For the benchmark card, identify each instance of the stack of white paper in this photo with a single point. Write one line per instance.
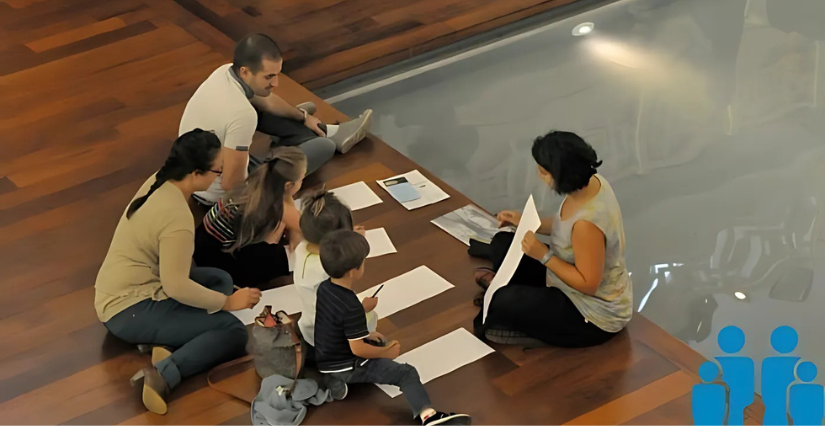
(530, 221)
(356, 196)
(430, 192)
(380, 243)
(442, 356)
(406, 290)
(281, 299)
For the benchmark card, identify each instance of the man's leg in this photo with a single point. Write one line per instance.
(295, 133)
(289, 132)
(318, 151)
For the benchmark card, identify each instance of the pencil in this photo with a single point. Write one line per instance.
(379, 289)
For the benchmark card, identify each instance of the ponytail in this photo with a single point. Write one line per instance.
(160, 179)
(324, 213)
(261, 201)
(192, 152)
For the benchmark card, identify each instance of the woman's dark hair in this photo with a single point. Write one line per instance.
(324, 213)
(193, 151)
(342, 251)
(261, 201)
(568, 158)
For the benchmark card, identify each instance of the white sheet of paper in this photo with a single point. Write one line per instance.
(281, 299)
(442, 356)
(357, 196)
(530, 221)
(430, 192)
(380, 243)
(406, 290)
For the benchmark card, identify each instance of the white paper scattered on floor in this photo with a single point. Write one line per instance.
(430, 192)
(281, 299)
(407, 290)
(380, 243)
(357, 196)
(442, 356)
(530, 221)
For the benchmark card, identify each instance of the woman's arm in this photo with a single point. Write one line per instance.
(588, 250)
(546, 227)
(175, 259)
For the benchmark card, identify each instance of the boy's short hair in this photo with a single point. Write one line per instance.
(323, 213)
(343, 251)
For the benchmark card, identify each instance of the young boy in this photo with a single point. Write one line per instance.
(343, 350)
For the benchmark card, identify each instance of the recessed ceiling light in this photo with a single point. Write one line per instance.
(583, 29)
(739, 295)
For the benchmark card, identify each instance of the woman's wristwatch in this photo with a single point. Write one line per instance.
(546, 257)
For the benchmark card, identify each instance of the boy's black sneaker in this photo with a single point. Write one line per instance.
(440, 418)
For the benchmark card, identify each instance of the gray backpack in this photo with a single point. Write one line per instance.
(275, 346)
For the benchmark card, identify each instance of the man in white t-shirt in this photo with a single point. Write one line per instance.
(236, 100)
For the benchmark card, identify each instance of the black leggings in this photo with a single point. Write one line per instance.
(252, 266)
(527, 305)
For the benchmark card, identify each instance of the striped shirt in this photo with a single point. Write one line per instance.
(339, 318)
(220, 222)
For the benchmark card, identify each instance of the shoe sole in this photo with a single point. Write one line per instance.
(457, 419)
(153, 401)
(510, 338)
(359, 134)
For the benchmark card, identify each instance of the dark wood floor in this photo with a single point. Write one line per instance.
(329, 40)
(91, 92)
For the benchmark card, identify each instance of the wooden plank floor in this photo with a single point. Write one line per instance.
(91, 92)
(326, 41)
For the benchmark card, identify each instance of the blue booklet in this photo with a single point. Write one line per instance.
(401, 189)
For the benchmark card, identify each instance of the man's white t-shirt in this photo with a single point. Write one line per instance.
(308, 275)
(221, 105)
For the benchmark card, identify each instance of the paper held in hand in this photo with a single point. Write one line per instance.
(430, 192)
(530, 221)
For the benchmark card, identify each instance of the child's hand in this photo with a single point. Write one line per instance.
(370, 303)
(361, 230)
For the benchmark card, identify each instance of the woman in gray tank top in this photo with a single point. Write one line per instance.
(576, 292)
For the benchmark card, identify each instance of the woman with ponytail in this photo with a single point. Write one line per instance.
(245, 233)
(146, 291)
(576, 292)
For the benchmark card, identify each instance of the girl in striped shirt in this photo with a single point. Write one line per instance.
(246, 233)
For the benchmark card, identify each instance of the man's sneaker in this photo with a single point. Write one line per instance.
(440, 418)
(352, 132)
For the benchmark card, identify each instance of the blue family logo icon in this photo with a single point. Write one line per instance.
(716, 402)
